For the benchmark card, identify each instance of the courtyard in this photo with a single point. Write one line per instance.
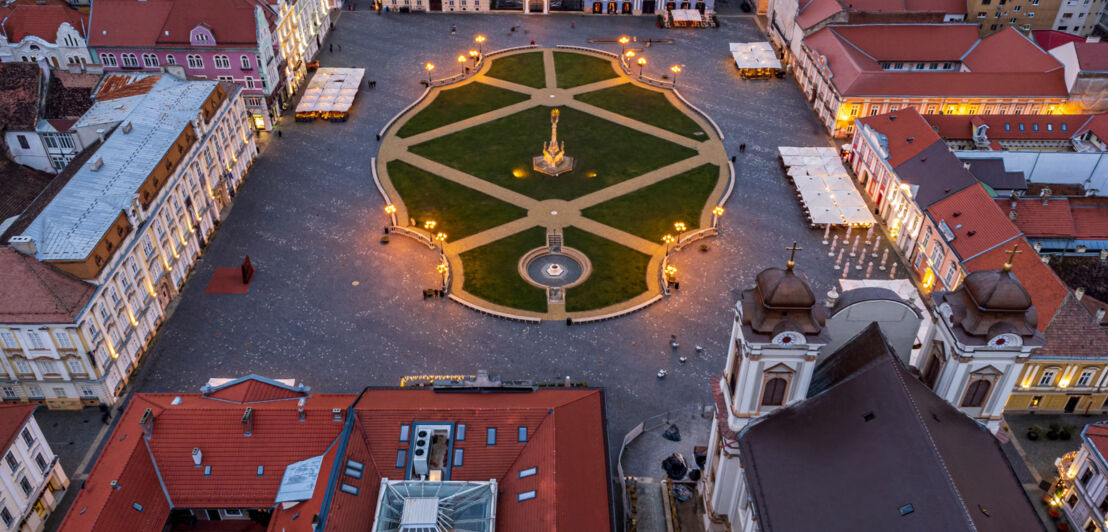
(637, 169)
(336, 309)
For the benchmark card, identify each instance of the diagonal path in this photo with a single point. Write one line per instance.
(626, 187)
(462, 178)
(454, 127)
(597, 85)
(504, 84)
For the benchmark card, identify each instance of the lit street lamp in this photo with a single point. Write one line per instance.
(442, 271)
(680, 227)
(642, 62)
(441, 237)
(676, 69)
(623, 40)
(474, 54)
(429, 67)
(390, 210)
(668, 239)
(718, 211)
(462, 63)
(429, 225)
(671, 273)
(480, 40)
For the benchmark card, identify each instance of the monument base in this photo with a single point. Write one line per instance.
(539, 164)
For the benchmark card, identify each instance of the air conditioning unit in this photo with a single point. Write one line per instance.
(421, 451)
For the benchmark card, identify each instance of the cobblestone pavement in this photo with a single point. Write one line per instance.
(310, 217)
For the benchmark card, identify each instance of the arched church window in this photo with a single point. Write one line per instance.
(976, 393)
(774, 392)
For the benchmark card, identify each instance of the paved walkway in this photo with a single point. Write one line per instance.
(553, 214)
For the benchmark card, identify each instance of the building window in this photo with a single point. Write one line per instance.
(75, 365)
(1048, 377)
(195, 61)
(21, 366)
(1087, 475)
(774, 392)
(9, 393)
(222, 61)
(1086, 377)
(460, 434)
(107, 60)
(522, 434)
(1072, 500)
(250, 83)
(87, 392)
(1036, 401)
(36, 341)
(129, 60)
(1091, 526)
(253, 101)
(490, 436)
(7, 339)
(245, 62)
(27, 438)
(976, 393)
(25, 486)
(170, 60)
(13, 464)
(150, 60)
(41, 462)
(6, 516)
(23, 142)
(63, 339)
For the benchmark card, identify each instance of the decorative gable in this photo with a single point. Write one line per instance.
(201, 35)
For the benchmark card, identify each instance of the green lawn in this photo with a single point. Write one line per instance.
(525, 69)
(457, 104)
(646, 106)
(500, 152)
(574, 70)
(618, 272)
(491, 271)
(458, 210)
(650, 212)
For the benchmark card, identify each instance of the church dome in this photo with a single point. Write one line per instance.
(998, 291)
(784, 289)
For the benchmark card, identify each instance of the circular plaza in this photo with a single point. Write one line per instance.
(554, 184)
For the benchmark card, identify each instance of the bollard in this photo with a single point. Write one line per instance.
(826, 232)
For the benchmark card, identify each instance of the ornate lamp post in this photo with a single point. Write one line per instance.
(441, 238)
(717, 212)
(429, 225)
(473, 54)
(480, 40)
(623, 40)
(462, 63)
(442, 271)
(676, 69)
(642, 62)
(680, 227)
(390, 210)
(429, 67)
(671, 273)
(668, 239)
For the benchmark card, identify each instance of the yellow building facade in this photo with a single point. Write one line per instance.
(1061, 386)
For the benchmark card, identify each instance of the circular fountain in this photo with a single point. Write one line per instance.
(553, 269)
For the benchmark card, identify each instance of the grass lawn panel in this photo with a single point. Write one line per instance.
(618, 272)
(646, 106)
(491, 271)
(574, 70)
(524, 69)
(651, 211)
(457, 104)
(458, 210)
(500, 151)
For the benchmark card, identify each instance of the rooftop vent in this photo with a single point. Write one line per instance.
(911, 140)
(23, 244)
(114, 484)
(957, 213)
(147, 422)
(1012, 215)
(197, 456)
(336, 414)
(97, 164)
(421, 451)
(127, 127)
(176, 401)
(868, 416)
(971, 233)
(965, 165)
(301, 415)
(892, 117)
(247, 421)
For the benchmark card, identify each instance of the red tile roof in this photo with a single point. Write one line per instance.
(1073, 333)
(978, 225)
(253, 388)
(169, 22)
(566, 441)
(1003, 64)
(40, 18)
(1098, 125)
(1049, 39)
(906, 131)
(813, 12)
(12, 419)
(19, 91)
(1008, 127)
(34, 292)
(1092, 56)
(1046, 289)
(1037, 220)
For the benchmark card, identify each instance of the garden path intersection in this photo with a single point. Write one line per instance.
(554, 213)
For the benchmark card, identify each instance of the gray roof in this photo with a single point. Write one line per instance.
(992, 173)
(870, 440)
(869, 293)
(74, 222)
(937, 173)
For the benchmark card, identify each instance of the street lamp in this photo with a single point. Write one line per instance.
(474, 54)
(442, 270)
(680, 227)
(390, 210)
(429, 67)
(718, 211)
(642, 61)
(429, 225)
(676, 69)
(462, 63)
(441, 237)
(623, 40)
(671, 273)
(480, 40)
(668, 239)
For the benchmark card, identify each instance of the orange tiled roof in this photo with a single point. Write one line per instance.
(1073, 333)
(1009, 127)
(12, 419)
(977, 224)
(907, 133)
(35, 292)
(1046, 289)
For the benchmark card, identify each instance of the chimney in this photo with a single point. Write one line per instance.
(965, 165)
(832, 297)
(1038, 247)
(911, 140)
(197, 456)
(127, 127)
(247, 421)
(24, 244)
(892, 117)
(1079, 293)
(103, 134)
(97, 164)
(1012, 215)
(147, 422)
(301, 415)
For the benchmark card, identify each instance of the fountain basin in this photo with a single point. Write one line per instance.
(545, 269)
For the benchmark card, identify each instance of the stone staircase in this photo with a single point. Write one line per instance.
(554, 241)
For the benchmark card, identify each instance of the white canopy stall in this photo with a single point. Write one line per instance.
(755, 60)
(330, 94)
(824, 187)
(686, 18)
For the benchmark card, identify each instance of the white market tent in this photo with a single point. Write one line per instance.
(825, 188)
(754, 55)
(331, 91)
(686, 17)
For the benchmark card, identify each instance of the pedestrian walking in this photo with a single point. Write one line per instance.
(453, 29)
(340, 49)
(331, 47)
(532, 42)
(732, 158)
(742, 148)
(572, 24)
(280, 134)
(105, 413)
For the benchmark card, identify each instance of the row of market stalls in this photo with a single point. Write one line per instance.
(756, 60)
(824, 187)
(330, 94)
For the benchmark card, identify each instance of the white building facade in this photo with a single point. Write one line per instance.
(32, 481)
(169, 175)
